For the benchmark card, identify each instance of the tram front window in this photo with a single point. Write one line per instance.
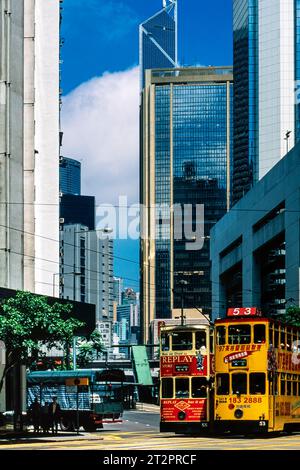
(259, 334)
(239, 384)
(200, 339)
(182, 341)
(222, 384)
(165, 342)
(239, 334)
(182, 388)
(199, 387)
(221, 335)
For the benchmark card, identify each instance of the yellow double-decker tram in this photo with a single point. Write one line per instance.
(257, 382)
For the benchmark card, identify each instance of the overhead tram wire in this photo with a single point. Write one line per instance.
(93, 251)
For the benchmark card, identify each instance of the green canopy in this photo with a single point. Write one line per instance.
(141, 365)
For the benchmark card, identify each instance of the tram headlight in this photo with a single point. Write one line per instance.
(181, 415)
(238, 414)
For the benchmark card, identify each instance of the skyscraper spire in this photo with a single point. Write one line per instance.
(158, 39)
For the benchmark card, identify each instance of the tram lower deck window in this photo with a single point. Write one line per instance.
(199, 387)
(222, 382)
(182, 389)
(239, 384)
(167, 388)
(257, 384)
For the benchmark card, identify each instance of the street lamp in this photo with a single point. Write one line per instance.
(287, 136)
(75, 273)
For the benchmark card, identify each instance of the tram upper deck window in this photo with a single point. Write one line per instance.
(165, 342)
(239, 334)
(257, 384)
(259, 334)
(200, 339)
(199, 387)
(182, 388)
(221, 335)
(222, 384)
(181, 341)
(167, 388)
(239, 384)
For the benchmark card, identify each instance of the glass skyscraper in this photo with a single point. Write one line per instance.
(158, 40)
(245, 27)
(69, 176)
(187, 144)
(266, 80)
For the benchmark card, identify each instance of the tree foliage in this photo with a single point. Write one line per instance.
(90, 349)
(28, 324)
(291, 317)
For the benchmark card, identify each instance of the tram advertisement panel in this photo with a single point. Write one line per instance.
(183, 365)
(195, 410)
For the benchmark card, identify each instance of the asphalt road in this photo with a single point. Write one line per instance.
(139, 430)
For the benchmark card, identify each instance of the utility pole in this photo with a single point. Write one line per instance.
(183, 283)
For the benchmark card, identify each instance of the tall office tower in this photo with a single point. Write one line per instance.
(69, 176)
(158, 40)
(41, 143)
(186, 142)
(86, 273)
(266, 75)
(118, 288)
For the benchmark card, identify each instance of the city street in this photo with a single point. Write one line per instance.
(139, 430)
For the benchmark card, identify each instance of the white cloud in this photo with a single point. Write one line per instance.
(100, 121)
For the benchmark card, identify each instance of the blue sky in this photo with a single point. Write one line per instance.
(102, 36)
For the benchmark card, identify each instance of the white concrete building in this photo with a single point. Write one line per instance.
(276, 80)
(266, 81)
(29, 146)
(41, 144)
(87, 268)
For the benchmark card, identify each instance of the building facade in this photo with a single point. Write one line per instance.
(158, 40)
(69, 176)
(29, 150)
(86, 273)
(185, 163)
(41, 143)
(255, 250)
(77, 210)
(266, 75)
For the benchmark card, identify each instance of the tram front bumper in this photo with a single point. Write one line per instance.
(185, 428)
(241, 427)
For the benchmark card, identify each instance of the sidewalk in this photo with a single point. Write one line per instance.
(15, 437)
(147, 407)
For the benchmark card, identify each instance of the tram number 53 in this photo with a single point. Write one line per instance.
(241, 312)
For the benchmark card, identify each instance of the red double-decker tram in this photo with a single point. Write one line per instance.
(186, 369)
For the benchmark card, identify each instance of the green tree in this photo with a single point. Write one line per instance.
(28, 324)
(291, 317)
(89, 349)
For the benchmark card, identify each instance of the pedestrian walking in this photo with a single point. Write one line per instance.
(45, 420)
(35, 415)
(54, 415)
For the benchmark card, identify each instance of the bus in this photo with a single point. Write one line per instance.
(257, 367)
(87, 397)
(186, 370)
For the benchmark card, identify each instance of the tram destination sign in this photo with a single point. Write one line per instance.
(243, 312)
